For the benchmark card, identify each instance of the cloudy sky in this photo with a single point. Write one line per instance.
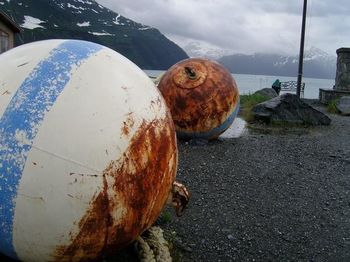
(244, 26)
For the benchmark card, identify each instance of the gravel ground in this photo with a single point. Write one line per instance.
(271, 195)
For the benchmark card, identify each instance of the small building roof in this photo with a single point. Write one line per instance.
(9, 22)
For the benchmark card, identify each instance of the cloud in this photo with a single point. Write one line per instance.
(267, 26)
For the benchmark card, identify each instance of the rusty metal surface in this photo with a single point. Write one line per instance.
(190, 75)
(179, 198)
(200, 93)
(137, 185)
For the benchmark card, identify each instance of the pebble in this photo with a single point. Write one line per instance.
(284, 195)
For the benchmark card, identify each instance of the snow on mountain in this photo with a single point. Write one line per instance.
(83, 24)
(311, 54)
(283, 60)
(99, 33)
(203, 49)
(84, 2)
(90, 21)
(315, 53)
(317, 64)
(31, 22)
(77, 8)
(196, 48)
(145, 28)
(116, 21)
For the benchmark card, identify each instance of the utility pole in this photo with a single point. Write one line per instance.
(301, 53)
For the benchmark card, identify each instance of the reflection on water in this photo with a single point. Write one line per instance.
(237, 129)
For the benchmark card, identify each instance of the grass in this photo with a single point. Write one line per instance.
(165, 217)
(247, 102)
(332, 106)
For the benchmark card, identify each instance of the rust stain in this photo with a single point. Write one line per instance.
(91, 239)
(155, 105)
(179, 198)
(206, 103)
(190, 75)
(148, 167)
(75, 181)
(140, 182)
(128, 124)
(31, 197)
(77, 174)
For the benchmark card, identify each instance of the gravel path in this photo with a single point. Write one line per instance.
(271, 195)
(277, 196)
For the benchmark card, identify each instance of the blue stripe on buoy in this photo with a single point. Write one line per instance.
(22, 119)
(213, 132)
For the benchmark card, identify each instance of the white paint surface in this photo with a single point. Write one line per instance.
(78, 138)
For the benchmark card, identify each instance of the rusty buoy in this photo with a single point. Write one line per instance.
(88, 151)
(202, 96)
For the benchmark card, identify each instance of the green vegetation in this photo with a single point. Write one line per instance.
(332, 106)
(247, 104)
(165, 217)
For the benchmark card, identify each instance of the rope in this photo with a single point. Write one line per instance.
(152, 246)
(144, 251)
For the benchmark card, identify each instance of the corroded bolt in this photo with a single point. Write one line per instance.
(191, 74)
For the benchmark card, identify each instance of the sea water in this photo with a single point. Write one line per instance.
(248, 84)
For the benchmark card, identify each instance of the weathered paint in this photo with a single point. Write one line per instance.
(202, 96)
(19, 123)
(213, 133)
(92, 147)
(139, 182)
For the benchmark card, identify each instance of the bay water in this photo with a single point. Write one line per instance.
(248, 84)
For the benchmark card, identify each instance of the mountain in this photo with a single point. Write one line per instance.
(317, 64)
(203, 49)
(88, 20)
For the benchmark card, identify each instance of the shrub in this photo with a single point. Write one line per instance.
(247, 104)
(332, 106)
(165, 217)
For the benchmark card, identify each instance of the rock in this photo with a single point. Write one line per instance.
(289, 109)
(343, 105)
(267, 92)
(231, 237)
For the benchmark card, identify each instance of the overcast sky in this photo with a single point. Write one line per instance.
(244, 26)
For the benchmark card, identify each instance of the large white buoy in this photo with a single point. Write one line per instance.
(87, 151)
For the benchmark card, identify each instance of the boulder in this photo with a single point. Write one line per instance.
(343, 105)
(267, 92)
(289, 109)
